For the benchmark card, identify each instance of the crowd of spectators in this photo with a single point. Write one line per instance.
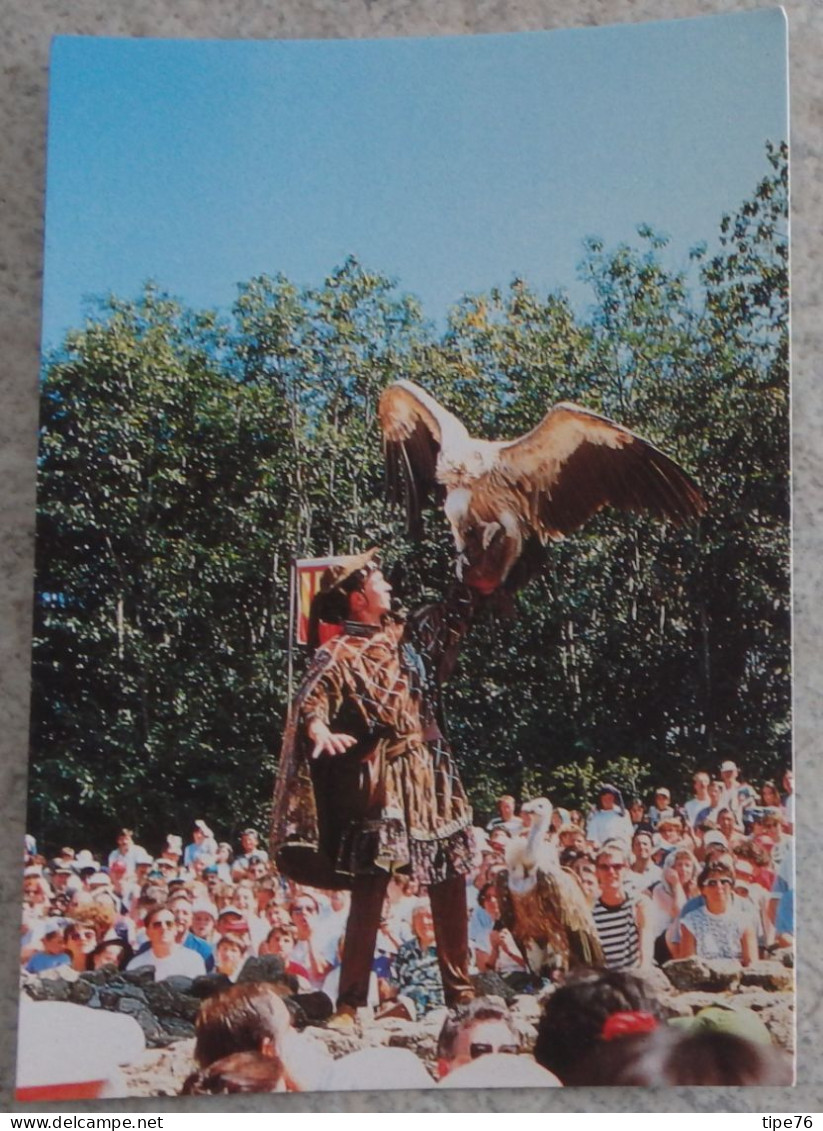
(711, 875)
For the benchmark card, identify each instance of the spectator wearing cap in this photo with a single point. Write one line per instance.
(479, 1028)
(52, 950)
(232, 921)
(699, 802)
(202, 843)
(164, 953)
(610, 821)
(204, 921)
(662, 806)
(736, 795)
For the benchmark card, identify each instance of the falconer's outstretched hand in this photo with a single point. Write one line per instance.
(325, 742)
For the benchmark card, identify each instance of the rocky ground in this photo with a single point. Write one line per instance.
(166, 1010)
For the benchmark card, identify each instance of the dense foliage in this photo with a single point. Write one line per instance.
(184, 460)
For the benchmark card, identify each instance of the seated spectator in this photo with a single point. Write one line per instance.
(585, 872)
(574, 1018)
(717, 930)
(610, 821)
(313, 956)
(240, 1072)
(249, 846)
(52, 950)
(700, 801)
(112, 952)
(662, 806)
(223, 859)
(202, 843)
(621, 920)
(81, 940)
(642, 873)
(229, 957)
(506, 816)
(417, 973)
(728, 826)
(637, 813)
(127, 852)
(204, 921)
(494, 946)
(165, 955)
(476, 1029)
(668, 898)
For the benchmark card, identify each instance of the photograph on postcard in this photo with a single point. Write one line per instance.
(411, 687)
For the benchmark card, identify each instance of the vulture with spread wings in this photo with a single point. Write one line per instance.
(505, 499)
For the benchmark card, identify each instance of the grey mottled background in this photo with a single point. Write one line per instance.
(25, 30)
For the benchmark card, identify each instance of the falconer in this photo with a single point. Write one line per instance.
(367, 786)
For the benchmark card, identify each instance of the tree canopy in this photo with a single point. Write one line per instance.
(185, 459)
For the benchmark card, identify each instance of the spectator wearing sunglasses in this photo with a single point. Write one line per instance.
(717, 929)
(165, 954)
(478, 1028)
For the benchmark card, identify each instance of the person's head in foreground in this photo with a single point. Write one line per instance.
(670, 1057)
(582, 1012)
(238, 1072)
(478, 1028)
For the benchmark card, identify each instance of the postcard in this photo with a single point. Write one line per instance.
(411, 668)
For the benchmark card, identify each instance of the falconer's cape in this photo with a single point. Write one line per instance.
(394, 801)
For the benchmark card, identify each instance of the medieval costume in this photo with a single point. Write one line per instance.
(393, 801)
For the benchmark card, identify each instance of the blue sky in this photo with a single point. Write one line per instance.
(450, 164)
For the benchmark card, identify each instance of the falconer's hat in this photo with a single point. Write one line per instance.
(346, 566)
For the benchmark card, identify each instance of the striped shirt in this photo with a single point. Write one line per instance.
(618, 934)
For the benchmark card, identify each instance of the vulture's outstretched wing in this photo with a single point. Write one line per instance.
(415, 431)
(576, 462)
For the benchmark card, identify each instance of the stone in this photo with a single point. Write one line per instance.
(177, 1028)
(48, 989)
(206, 985)
(178, 983)
(139, 977)
(96, 977)
(265, 968)
(714, 974)
(81, 992)
(490, 984)
(769, 975)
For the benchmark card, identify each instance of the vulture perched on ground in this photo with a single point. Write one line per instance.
(542, 904)
(505, 499)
